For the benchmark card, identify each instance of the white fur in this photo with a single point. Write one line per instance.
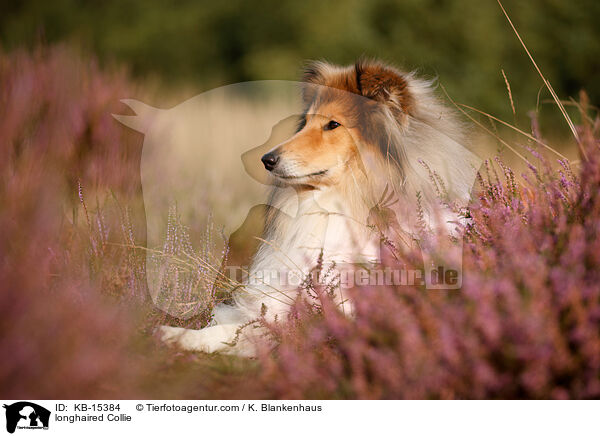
(333, 220)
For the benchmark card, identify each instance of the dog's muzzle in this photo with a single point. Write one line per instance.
(270, 161)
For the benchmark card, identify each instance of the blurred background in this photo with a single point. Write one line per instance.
(466, 43)
(73, 228)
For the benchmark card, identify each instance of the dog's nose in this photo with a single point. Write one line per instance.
(270, 160)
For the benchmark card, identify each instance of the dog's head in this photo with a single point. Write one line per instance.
(348, 114)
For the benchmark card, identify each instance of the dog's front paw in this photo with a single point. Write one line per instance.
(168, 334)
(219, 338)
(193, 340)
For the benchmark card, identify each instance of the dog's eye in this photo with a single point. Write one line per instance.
(331, 125)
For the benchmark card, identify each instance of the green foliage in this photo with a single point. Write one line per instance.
(464, 42)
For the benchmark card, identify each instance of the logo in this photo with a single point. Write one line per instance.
(178, 143)
(26, 415)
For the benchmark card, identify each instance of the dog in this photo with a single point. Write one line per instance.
(369, 134)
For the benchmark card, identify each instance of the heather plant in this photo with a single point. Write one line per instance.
(188, 278)
(60, 336)
(77, 321)
(526, 323)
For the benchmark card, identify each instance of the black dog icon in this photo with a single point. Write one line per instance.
(26, 414)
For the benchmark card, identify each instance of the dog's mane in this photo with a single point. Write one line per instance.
(395, 122)
(399, 113)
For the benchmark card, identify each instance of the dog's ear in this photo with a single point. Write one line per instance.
(384, 85)
(313, 76)
(314, 72)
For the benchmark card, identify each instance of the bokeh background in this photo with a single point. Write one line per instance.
(74, 301)
(466, 43)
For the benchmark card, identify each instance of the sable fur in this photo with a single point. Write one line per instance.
(389, 120)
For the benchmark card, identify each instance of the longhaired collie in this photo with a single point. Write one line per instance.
(370, 139)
